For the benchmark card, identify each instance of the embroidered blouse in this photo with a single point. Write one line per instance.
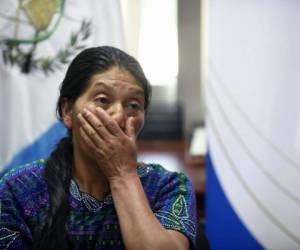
(92, 224)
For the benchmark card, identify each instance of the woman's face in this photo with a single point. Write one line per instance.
(118, 93)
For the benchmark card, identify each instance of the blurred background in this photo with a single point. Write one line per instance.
(225, 104)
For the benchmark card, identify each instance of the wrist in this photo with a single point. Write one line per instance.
(124, 180)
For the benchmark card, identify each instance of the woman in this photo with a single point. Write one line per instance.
(91, 193)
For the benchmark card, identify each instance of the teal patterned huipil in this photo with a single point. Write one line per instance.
(92, 224)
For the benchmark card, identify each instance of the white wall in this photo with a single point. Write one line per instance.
(187, 91)
(189, 88)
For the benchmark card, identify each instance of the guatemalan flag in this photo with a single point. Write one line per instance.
(253, 120)
(28, 125)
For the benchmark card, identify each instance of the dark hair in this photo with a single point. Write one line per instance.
(53, 234)
(97, 60)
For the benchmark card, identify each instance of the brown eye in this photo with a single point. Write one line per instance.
(102, 101)
(134, 106)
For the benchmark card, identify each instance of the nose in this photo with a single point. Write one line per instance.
(118, 114)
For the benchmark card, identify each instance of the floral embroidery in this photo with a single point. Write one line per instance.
(178, 218)
(179, 207)
(7, 237)
(90, 202)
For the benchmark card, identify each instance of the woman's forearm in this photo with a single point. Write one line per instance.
(139, 227)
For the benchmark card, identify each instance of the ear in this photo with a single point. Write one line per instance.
(66, 108)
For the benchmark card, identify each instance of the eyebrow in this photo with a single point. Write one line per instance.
(102, 84)
(138, 92)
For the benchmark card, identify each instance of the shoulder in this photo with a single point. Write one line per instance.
(165, 186)
(172, 199)
(156, 174)
(23, 177)
(21, 189)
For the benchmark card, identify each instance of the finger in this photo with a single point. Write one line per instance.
(89, 130)
(130, 130)
(86, 138)
(108, 122)
(95, 123)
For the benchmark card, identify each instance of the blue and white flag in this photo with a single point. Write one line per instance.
(54, 31)
(253, 121)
